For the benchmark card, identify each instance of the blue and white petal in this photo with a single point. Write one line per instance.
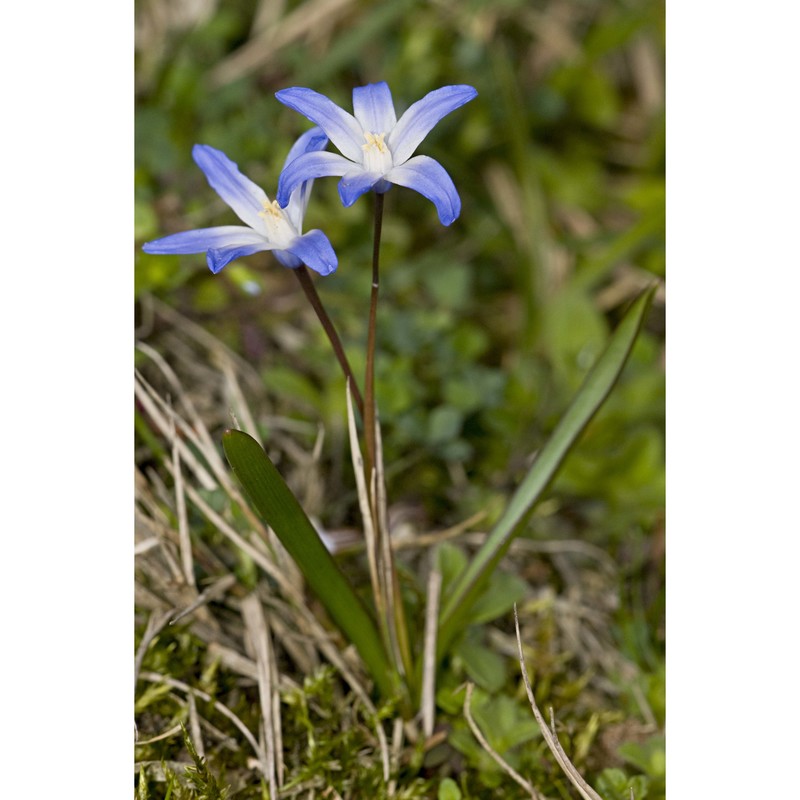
(421, 117)
(308, 167)
(428, 177)
(309, 142)
(238, 191)
(202, 239)
(218, 257)
(342, 128)
(355, 183)
(315, 251)
(373, 107)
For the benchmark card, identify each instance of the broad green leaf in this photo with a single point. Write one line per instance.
(585, 404)
(451, 561)
(504, 589)
(483, 665)
(280, 509)
(448, 790)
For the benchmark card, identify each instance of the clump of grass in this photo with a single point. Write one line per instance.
(231, 649)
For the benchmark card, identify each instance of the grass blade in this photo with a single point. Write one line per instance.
(280, 509)
(585, 404)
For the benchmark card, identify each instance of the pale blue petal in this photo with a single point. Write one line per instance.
(429, 178)
(373, 107)
(342, 128)
(287, 259)
(420, 118)
(315, 251)
(238, 191)
(307, 167)
(355, 183)
(218, 257)
(310, 142)
(202, 239)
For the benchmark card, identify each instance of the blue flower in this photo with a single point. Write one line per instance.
(376, 147)
(268, 225)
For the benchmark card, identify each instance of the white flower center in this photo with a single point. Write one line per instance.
(279, 230)
(377, 156)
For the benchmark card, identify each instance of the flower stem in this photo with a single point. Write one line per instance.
(395, 626)
(369, 377)
(311, 293)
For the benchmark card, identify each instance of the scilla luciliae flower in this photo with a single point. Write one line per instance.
(268, 226)
(376, 148)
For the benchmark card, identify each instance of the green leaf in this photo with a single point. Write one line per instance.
(279, 508)
(484, 666)
(587, 401)
(503, 591)
(614, 784)
(448, 790)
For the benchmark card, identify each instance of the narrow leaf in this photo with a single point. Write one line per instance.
(585, 404)
(280, 509)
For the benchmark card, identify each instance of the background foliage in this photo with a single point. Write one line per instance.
(486, 327)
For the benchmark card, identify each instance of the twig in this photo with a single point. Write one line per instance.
(549, 732)
(504, 765)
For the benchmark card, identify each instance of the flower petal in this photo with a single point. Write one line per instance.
(373, 107)
(355, 183)
(219, 257)
(287, 259)
(310, 142)
(428, 177)
(238, 191)
(315, 251)
(202, 239)
(342, 128)
(306, 167)
(420, 118)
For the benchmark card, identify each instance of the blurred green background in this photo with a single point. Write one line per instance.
(486, 327)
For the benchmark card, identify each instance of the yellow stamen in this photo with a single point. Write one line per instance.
(271, 210)
(375, 140)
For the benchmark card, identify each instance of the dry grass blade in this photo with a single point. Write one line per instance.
(156, 409)
(187, 562)
(398, 627)
(429, 652)
(313, 18)
(194, 726)
(331, 652)
(549, 732)
(155, 677)
(155, 624)
(258, 635)
(213, 592)
(366, 514)
(184, 466)
(425, 540)
(504, 765)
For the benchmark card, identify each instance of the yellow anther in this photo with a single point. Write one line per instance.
(271, 210)
(375, 140)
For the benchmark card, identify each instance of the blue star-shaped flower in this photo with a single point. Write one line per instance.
(268, 226)
(376, 147)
